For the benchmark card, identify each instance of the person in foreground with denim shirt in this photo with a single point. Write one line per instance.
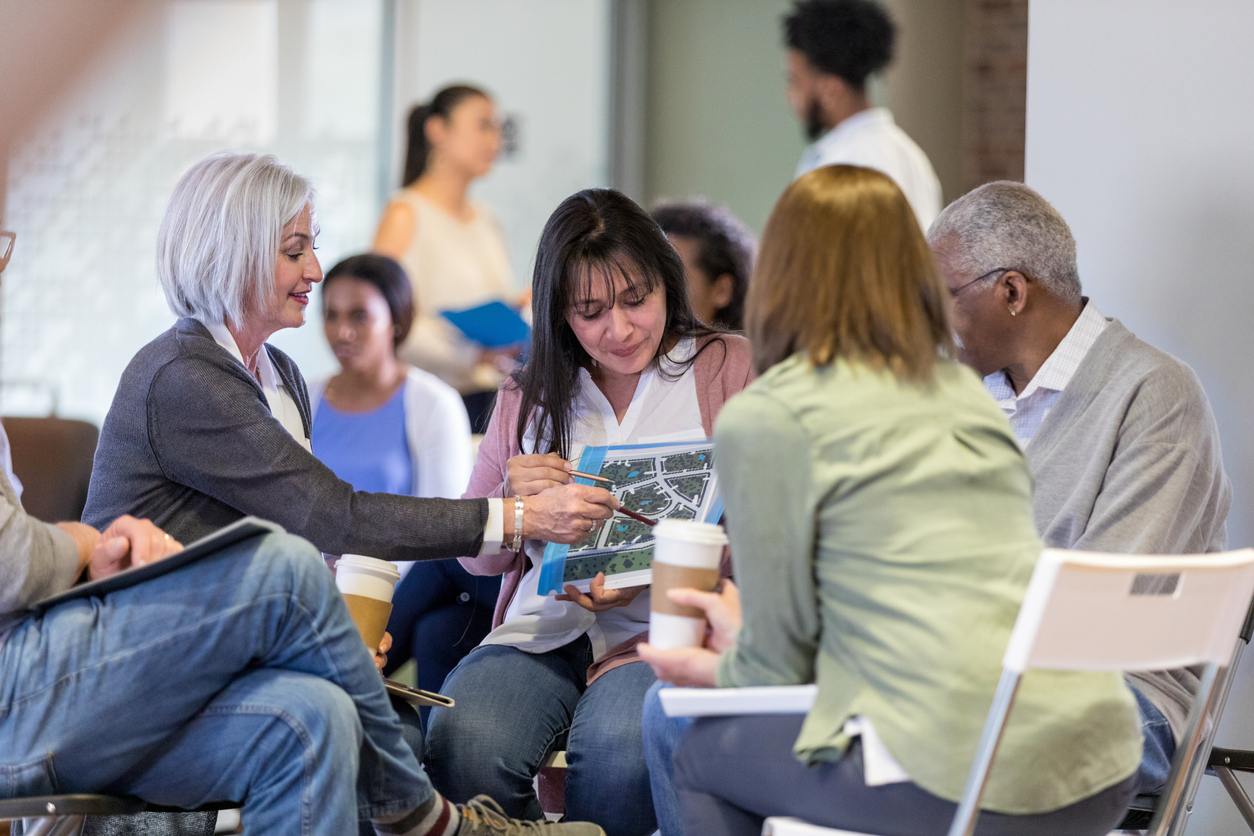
(880, 519)
(1120, 436)
(237, 677)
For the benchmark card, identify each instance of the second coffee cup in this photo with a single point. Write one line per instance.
(685, 554)
(367, 585)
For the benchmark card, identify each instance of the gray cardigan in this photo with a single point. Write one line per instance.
(1128, 460)
(189, 442)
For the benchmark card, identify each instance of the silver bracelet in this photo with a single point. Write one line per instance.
(516, 545)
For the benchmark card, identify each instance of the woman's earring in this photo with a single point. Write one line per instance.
(1012, 311)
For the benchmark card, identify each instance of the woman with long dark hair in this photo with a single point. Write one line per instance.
(617, 357)
(451, 246)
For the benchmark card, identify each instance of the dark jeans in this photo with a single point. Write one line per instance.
(514, 708)
(479, 409)
(733, 772)
(440, 612)
(1159, 747)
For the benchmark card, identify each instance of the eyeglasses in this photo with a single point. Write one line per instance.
(954, 291)
(6, 247)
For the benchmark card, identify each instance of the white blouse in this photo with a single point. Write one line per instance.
(663, 408)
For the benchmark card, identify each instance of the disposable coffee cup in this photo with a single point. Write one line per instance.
(686, 554)
(367, 585)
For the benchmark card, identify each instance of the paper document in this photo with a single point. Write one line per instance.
(660, 481)
(716, 702)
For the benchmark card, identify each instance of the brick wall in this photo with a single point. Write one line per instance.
(994, 91)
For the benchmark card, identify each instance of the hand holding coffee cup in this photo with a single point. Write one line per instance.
(686, 555)
(367, 585)
(697, 667)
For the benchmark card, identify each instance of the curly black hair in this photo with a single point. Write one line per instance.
(725, 245)
(847, 38)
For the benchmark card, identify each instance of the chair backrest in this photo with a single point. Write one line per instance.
(1088, 611)
(53, 458)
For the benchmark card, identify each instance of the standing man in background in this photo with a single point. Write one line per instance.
(833, 47)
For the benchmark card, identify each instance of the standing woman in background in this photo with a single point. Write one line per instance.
(386, 427)
(451, 246)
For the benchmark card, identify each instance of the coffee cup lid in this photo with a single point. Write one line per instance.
(691, 530)
(370, 565)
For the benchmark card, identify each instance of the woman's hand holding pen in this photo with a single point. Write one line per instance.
(529, 475)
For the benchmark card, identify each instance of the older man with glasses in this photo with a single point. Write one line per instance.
(1120, 437)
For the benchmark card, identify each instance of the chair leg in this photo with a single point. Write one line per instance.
(969, 808)
(1193, 781)
(1237, 792)
(1171, 815)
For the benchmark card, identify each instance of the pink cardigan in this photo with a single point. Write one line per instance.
(719, 375)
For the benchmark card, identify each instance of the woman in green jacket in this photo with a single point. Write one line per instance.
(881, 527)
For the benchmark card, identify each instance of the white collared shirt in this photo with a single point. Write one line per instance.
(870, 138)
(663, 408)
(283, 407)
(1028, 409)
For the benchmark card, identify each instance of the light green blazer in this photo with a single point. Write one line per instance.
(882, 538)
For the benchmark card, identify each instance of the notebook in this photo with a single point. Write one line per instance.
(236, 532)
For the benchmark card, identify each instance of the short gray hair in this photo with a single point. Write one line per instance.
(221, 234)
(1007, 224)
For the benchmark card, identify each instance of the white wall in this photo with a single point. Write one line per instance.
(547, 63)
(1140, 132)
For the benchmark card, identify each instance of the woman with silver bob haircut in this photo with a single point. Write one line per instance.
(216, 249)
(210, 423)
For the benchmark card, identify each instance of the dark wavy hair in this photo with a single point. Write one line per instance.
(597, 235)
(724, 246)
(442, 105)
(847, 38)
(388, 278)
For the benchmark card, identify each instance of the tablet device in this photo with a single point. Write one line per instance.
(222, 538)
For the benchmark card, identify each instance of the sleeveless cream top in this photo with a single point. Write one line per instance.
(452, 264)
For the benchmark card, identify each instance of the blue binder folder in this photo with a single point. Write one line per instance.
(492, 325)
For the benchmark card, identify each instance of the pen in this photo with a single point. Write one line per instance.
(637, 517)
(590, 476)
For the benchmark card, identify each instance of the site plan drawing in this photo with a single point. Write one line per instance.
(660, 481)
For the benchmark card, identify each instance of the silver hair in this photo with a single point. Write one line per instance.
(221, 234)
(1008, 225)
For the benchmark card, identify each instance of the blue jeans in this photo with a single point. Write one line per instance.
(514, 708)
(440, 612)
(236, 678)
(661, 739)
(1158, 748)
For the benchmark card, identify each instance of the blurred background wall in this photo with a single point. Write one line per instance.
(1135, 133)
(107, 102)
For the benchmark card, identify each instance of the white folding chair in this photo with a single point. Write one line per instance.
(1102, 612)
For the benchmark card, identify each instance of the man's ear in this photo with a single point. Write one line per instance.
(1016, 291)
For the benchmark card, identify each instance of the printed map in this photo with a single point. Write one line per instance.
(659, 481)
